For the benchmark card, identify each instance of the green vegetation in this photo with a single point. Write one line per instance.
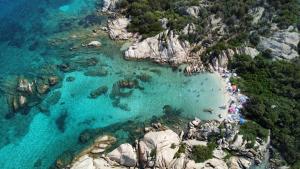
(173, 146)
(153, 152)
(274, 91)
(146, 14)
(251, 130)
(201, 153)
(181, 149)
(288, 12)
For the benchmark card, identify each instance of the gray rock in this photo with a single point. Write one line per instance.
(257, 13)
(163, 48)
(282, 44)
(124, 155)
(109, 5)
(117, 29)
(193, 11)
(157, 146)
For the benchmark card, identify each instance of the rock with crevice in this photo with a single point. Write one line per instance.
(117, 29)
(162, 48)
(156, 148)
(124, 155)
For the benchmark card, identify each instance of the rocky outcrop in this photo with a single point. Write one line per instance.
(221, 60)
(193, 11)
(87, 159)
(257, 14)
(109, 5)
(117, 29)
(159, 148)
(124, 155)
(189, 29)
(156, 148)
(282, 44)
(163, 48)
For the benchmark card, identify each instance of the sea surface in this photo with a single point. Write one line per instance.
(36, 36)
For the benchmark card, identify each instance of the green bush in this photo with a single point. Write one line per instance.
(251, 130)
(202, 153)
(181, 149)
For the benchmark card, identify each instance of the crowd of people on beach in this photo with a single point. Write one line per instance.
(236, 100)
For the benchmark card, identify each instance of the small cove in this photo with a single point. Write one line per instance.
(36, 137)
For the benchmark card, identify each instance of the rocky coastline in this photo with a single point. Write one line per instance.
(169, 48)
(163, 148)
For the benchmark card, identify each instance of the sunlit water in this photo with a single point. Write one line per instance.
(26, 139)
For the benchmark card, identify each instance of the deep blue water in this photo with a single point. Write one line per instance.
(35, 37)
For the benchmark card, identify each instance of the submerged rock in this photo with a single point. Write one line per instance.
(144, 77)
(42, 88)
(98, 92)
(25, 86)
(53, 80)
(128, 83)
(61, 121)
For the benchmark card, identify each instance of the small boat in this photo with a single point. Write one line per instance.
(209, 110)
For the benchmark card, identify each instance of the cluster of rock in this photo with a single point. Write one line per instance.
(162, 48)
(159, 148)
(23, 93)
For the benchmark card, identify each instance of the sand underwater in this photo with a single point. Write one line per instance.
(35, 37)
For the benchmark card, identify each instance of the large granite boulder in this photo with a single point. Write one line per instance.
(124, 155)
(282, 44)
(117, 29)
(162, 48)
(157, 148)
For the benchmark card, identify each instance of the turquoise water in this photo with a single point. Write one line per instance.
(41, 36)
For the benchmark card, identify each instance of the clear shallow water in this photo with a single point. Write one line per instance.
(46, 33)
